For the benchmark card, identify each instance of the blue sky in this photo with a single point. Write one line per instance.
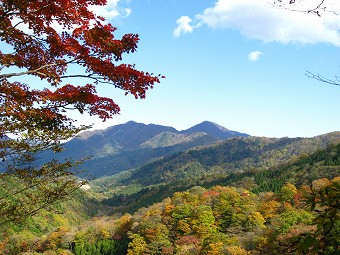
(238, 63)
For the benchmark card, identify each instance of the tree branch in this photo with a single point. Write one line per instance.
(9, 75)
(316, 10)
(318, 77)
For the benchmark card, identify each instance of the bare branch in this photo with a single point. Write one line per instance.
(318, 77)
(318, 9)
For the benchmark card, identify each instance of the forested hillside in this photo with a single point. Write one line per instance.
(243, 195)
(218, 220)
(204, 165)
(20, 236)
(269, 210)
(233, 155)
(297, 170)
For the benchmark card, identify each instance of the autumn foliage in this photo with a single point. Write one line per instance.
(38, 49)
(44, 39)
(221, 220)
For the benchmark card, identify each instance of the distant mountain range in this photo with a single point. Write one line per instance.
(133, 144)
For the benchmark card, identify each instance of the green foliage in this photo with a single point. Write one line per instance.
(101, 247)
(291, 217)
(287, 192)
(233, 155)
(227, 220)
(137, 245)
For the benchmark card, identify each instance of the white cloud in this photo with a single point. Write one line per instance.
(111, 10)
(127, 11)
(254, 56)
(183, 26)
(256, 19)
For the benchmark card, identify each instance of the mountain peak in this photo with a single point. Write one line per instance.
(213, 124)
(213, 129)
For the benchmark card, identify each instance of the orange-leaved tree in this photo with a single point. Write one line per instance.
(43, 39)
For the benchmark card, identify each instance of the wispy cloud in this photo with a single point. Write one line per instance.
(254, 56)
(256, 19)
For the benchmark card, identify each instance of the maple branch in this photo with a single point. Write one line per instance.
(18, 24)
(38, 10)
(9, 75)
(97, 79)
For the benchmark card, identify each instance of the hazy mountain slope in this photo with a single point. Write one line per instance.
(167, 139)
(131, 145)
(113, 164)
(113, 140)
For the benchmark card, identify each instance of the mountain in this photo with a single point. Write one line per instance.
(133, 144)
(214, 130)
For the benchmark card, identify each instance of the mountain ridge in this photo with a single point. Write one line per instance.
(132, 144)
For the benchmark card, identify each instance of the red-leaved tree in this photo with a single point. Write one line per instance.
(34, 116)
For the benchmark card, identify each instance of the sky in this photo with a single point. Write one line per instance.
(239, 63)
